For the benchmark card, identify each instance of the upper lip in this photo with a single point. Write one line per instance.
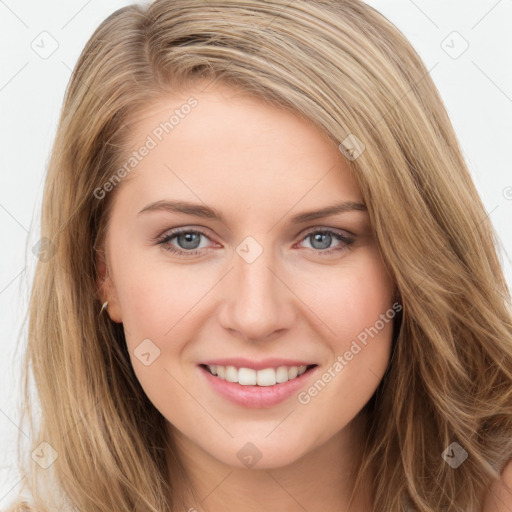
(240, 362)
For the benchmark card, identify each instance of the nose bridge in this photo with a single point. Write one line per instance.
(258, 303)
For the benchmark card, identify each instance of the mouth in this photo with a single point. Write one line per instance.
(265, 377)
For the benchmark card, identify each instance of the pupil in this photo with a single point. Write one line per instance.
(317, 238)
(189, 242)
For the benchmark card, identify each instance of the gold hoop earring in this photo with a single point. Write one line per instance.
(105, 304)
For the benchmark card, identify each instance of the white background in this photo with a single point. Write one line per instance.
(476, 88)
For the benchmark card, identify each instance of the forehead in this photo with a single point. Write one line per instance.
(237, 143)
(225, 113)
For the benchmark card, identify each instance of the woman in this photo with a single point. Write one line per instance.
(273, 285)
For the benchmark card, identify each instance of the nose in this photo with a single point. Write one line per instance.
(259, 302)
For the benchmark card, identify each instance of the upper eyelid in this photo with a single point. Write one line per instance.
(204, 231)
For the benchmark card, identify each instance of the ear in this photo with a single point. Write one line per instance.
(106, 287)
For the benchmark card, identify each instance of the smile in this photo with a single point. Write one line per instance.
(262, 388)
(263, 377)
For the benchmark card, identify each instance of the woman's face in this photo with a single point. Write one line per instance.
(255, 280)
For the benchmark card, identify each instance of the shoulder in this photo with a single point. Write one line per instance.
(499, 497)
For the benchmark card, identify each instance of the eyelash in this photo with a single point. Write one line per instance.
(164, 241)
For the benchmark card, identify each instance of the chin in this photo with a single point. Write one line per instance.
(260, 454)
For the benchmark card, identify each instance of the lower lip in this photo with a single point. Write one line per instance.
(256, 397)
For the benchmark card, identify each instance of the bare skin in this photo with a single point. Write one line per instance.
(304, 297)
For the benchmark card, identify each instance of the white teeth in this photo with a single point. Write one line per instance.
(247, 377)
(282, 374)
(293, 372)
(250, 377)
(266, 377)
(231, 374)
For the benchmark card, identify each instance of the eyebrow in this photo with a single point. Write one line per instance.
(210, 213)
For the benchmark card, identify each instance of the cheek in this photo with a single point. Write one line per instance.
(355, 296)
(357, 308)
(156, 299)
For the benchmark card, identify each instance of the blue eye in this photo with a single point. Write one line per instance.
(324, 238)
(190, 239)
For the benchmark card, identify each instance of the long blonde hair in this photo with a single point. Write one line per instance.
(347, 69)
